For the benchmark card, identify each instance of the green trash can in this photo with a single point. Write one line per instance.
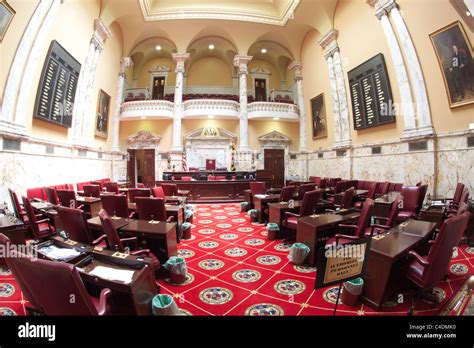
(177, 269)
(188, 215)
(164, 305)
(351, 291)
(186, 229)
(244, 206)
(253, 215)
(272, 230)
(298, 253)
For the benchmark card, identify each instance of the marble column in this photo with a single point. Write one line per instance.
(242, 63)
(406, 108)
(298, 73)
(26, 59)
(342, 95)
(180, 59)
(125, 64)
(82, 130)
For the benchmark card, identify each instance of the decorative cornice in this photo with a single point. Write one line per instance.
(125, 64)
(144, 137)
(180, 59)
(101, 33)
(382, 7)
(329, 43)
(242, 63)
(297, 68)
(274, 137)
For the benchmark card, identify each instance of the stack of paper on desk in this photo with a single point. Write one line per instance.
(121, 275)
(55, 253)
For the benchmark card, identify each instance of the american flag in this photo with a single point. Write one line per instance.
(185, 166)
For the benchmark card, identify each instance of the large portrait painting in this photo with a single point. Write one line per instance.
(6, 17)
(454, 53)
(103, 109)
(318, 114)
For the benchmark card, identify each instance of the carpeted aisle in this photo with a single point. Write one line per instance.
(233, 269)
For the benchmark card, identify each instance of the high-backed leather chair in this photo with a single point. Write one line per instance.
(20, 213)
(346, 201)
(151, 208)
(111, 187)
(53, 284)
(305, 188)
(257, 188)
(287, 193)
(425, 271)
(457, 195)
(92, 191)
(52, 196)
(323, 183)
(138, 192)
(384, 188)
(40, 228)
(359, 229)
(388, 222)
(158, 192)
(308, 206)
(67, 198)
(116, 205)
(370, 194)
(411, 198)
(454, 208)
(170, 189)
(140, 185)
(116, 243)
(421, 199)
(74, 223)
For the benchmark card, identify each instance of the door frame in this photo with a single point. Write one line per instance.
(153, 86)
(145, 140)
(274, 140)
(284, 166)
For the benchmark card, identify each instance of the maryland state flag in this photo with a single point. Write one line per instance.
(184, 162)
(232, 161)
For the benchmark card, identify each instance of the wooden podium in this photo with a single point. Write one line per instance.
(210, 164)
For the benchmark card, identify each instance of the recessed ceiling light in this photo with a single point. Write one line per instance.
(158, 48)
(468, 13)
(264, 50)
(143, 117)
(276, 118)
(211, 46)
(210, 116)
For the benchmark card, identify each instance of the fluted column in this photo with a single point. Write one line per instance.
(297, 68)
(82, 131)
(342, 95)
(242, 63)
(125, 64)
(178, 101)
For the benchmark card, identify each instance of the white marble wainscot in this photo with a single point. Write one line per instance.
(298, 165)
(32, 166)
(176, 161)
(330, 165)
(455, 162)
(247, 160)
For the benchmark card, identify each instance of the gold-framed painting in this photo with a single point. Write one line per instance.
(454, 53)
(318, 117)
(6, 16)
(102, 119)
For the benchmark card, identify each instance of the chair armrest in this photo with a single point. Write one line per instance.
(144, 252)
(289, 213)
(378, 218)
(103, 300)
(130, 240)
(99, 240)
(170, 219)
(132, 215)
(347, 226)
(384, 227)
(81, 207)
(346, 236)
(41, 221)
(418, 258)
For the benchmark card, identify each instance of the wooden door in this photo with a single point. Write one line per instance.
(260, 90)
(158, 88)
(131, 170)
(149, 177)
(275, 163)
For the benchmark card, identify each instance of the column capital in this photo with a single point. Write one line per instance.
(382, 7)
(328, 42)
(125, 64)
(101, 33)
(242, 62)
(180, 59)
(297, 67)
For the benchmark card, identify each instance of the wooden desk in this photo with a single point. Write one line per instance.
(95, 225)
(433, 214)
(386, 254)
(41, 205)
(92, 205)
(315, 230)
(261, 203)
(14, 229)
(248, 198)
(160, 238)
(384, 203)
(277, 210)
(357, 195)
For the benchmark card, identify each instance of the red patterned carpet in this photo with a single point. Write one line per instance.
(233, 269)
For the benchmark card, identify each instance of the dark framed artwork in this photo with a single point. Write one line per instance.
(6, 16)
(103, 109)
(318, 117)
(454, 53)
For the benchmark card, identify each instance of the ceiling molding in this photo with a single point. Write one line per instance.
(278, 17)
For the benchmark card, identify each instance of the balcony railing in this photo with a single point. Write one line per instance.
(266, 110)
(214, 107)
(146, 108)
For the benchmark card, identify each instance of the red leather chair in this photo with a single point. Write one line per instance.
(52, 196)
(111, 187)
(54, 283)
(116, 243)
(346, 200)
(116, 205)
(463, 207)
(140, 185)
(305, 188)
(20, 213)
(425, 271)
(92, 191)
(457, 195)
(170, 189)
(370, 194)
(151, 208)
(98, 183)
(257, 188)
(315, 179)
(333, 181)
(453, 209)
(138, 192)
(287, 193)
(411, 197)
(384, 187)
(37, 192)
(323, 183)
(421, 199)
(158, 192)
(308, 206)
(39, 228)
(359, 229)
(389, 221)
(211, 177)
(74, 223)
(67, 198)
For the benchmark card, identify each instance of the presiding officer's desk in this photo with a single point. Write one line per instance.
(132, 298)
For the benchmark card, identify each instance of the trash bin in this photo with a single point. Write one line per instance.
(272, 231)
(351, 291)
(298, 253)
(188, 215)
(253, 215)
(164, 305)
(177, 269)
(186, 229)
(244, 206)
